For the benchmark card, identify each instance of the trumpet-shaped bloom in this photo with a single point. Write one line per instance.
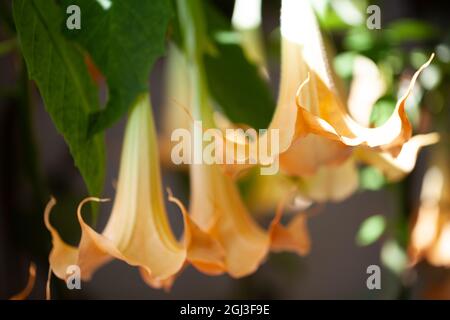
(318, 133)
(176, 94)
(321, 112)
(217, 208)
(138, 231)
(430, 236)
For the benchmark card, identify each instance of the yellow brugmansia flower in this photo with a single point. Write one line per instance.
(321, 111)
(430, 237)
(216, 206)
(138, 231)
(22, 295)
(176, 93)
(318, 136)
(218, 209)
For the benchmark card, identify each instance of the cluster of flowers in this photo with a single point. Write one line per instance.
(323, 137)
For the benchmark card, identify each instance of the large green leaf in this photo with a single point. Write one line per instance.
(124, 40)
(407, 30)
(60, 73)
(235, 83)
(237, 86)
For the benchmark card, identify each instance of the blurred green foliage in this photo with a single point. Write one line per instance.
(370, 230)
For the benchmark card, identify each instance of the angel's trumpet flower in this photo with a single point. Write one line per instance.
(216, 206)
(176, 93)
(317, 132)
(430, 236)
(327, 128)
(315, 127)
(218, 209)
(137, 231)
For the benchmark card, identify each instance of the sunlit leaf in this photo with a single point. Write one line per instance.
(431, 77)
(381, 111)
(343, 64)
(393, 257)
(235, 83)
(371, 178)
(409, 30)
(370, 230)
(351, 12)
(124, 40)
(59, 71)
(360, 39)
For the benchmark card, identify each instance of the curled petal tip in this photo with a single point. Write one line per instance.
(169, 193)
(300, 88)
(30, 284)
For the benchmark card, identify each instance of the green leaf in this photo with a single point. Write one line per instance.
(59, 71)
(370, 230)
(124, 42)
(371, 178)
(381, 111)
(360, 39)
(343, 64)
(409, 30)
(234, 82)
(236, 85)
(393, 257)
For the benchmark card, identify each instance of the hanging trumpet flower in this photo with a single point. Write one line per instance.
(216, 206)
(318, 136)
(175, 94)
(321, 111)
(137, 231)
(430, 237)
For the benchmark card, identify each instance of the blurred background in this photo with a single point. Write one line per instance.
(371, 227)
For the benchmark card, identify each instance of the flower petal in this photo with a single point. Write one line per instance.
(315, 108)
(137, 231)
(203, 252)
(335, 124)
(22, 295)
(217, 208)
(308, 154)
(395, 168)
(333, 183)
(294, 237)
(62, 255)
(366, 88)
(439, 253)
